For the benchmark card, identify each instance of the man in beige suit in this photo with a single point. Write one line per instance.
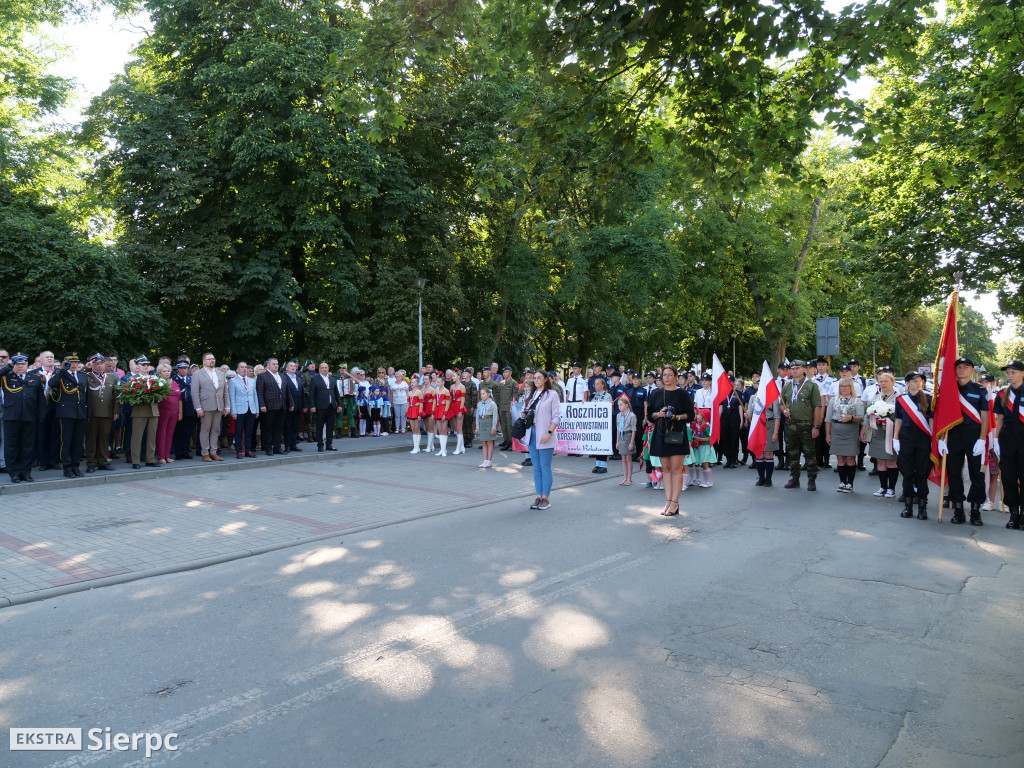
(209, 395)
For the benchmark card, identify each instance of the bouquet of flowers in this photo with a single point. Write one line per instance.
(881, 409)
(143, 390)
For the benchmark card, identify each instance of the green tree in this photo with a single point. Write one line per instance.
(974, 337)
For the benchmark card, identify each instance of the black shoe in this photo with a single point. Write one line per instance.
(269, 453)
(767, 484)
(594, 470)
(908, 511)
(319, 449)
(810, 484)
(527, 463)
(150, 463)
(90, 470)
(15, 479)
(185, 456)
(759, 483)
(28, 478)
(835, 469)
(602, 470)
(105, 467)
(1015, 519)
(136, 466)
(922, 509)
(861, 467)
(793, 483)
(331, 448)
(77, 472)
(976, 514)
(296, 448)
(958, 513)
(68, 473)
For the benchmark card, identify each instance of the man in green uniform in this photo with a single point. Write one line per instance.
(801, 405)
(472, 397)
(103, 412)
(347, 391)
(505, 393)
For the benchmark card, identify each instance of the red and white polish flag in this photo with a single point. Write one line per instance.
(767, 393)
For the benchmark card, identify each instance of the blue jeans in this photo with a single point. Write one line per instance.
(541, 458)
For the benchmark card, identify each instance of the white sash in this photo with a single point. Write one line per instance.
(1011, 399)
(915, 414)
(969, 409)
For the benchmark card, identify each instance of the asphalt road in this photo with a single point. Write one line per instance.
(761, 627)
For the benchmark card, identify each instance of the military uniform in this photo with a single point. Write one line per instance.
(70, 394)
(184, 430)
(505, 393)
(802, 399)
(102, 407)
(24, 407)
(347, 388)
(468, 420)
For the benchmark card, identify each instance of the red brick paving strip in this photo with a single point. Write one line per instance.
(76, 571)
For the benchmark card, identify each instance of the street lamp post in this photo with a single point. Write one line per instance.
(733, 354)
(873, 340)
(421, 283)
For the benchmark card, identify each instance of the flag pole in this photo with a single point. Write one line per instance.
(942, 487)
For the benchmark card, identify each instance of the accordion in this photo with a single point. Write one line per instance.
(346, 387)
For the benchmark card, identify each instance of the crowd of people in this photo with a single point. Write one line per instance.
(57, 415)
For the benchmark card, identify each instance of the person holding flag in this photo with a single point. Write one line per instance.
(801, 405)
(963, 442)
(1009, 446)
(721, 389)
(912, 441)
(991, 461)
(763, 436)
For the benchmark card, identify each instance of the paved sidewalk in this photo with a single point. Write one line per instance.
(61, 535)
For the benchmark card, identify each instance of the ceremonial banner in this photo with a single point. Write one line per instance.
(720, 389)
(946, 394)
(586, 428)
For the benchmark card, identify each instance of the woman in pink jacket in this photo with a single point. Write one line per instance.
(541, 439)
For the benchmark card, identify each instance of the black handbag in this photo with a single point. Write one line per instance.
(672, 437)
(525, 420)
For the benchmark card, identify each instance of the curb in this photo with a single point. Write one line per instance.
(156, 473)
(192, 565)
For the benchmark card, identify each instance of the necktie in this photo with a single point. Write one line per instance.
(245, 382)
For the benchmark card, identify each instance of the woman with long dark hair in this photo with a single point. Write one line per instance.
(541, 439)
(670, 409)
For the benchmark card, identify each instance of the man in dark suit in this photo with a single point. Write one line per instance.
(275, 402)
(296, 391)
(184, 430)
(70, 393)
(48, 432)
(324, 404)
(24, 407)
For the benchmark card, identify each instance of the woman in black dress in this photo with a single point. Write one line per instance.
(670, 409)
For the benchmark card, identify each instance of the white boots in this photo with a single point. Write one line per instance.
(443, 440)
(460, 444)
(415, 442)
(430, 442)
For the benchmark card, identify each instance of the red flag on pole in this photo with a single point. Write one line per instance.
(946, 394)
(767, 393)
(720, 389)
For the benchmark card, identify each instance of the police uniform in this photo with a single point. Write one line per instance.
(184, 430)
(962, 445)
(803, 400)
(914, 456)
(70, 394)
(24, 401)
(1010, 441)
(576, 388)
(47, 450)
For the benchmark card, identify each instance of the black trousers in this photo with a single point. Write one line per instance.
(914, 461)
(730, 439)
(72, 441)
(960, 442)
(19, 446)
(325, 424)
(1011, 466)
(822, 450)
(184, 432)
(292, 427)
(48, 441)
(245, 432)
(272, 430)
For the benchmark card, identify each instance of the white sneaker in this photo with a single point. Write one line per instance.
(841, 488)
(890, 494)
(986, 507)
(383, 434)
(488, 464)
(880, 492)
(482, 465)
(709, 484)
